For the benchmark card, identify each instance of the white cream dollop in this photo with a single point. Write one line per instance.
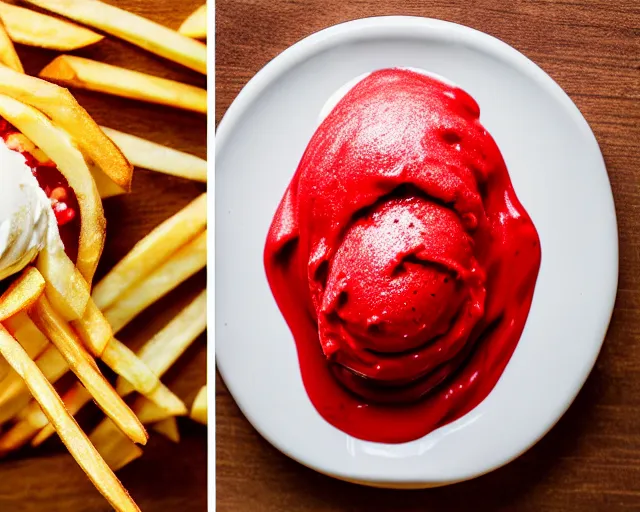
(27, 221)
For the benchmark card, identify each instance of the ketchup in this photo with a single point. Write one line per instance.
(401, 259)
(63, 200)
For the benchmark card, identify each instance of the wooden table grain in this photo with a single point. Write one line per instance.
(591, 460)
(169, 477)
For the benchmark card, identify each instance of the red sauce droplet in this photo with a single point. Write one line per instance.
(405, 199)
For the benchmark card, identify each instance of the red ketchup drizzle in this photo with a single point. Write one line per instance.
(401, 259)
(55, 186)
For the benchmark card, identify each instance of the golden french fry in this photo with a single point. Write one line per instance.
(151, 251)
(25, 331)
(132, 28)
(155, 157)
(94, 329)
(23, 292)
(188, 260)
(63, 109)
(148, 412)
(75, 398)
(124, 362)
(65, 286)
(168, 344)
(163, 402)
(8, 55)
(52, 365)
(199, 408)
(116, 449)
(60, 148)
(70, 433)
(85, 368)
(168, 428)
(32, 28)
(196, 24)
(90, 74)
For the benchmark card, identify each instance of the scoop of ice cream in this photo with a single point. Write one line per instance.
(401, 248)
(27, 221)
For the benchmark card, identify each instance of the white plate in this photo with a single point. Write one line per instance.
(558, 174)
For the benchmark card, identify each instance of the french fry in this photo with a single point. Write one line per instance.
(151, 251)
(23, 292)
(32, 28)
(65, 286)
(74, 399)
(8, 55)
(123, 361)
(168, 344)
(25, 331)
(94, 329)
(59, 147)
(196, 24)
(132, 28)
(65, 112)
(178, 268)
(72, 71)
(51, 364)
(168, 428)
(155, 157)
(85, 368)
(116, 449)
(70, 433)
(164, 405)
(199, 408)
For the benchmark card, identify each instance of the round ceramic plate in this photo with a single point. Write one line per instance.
(559, 175)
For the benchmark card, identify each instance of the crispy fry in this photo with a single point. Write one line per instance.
(155, 157)
(90, 74)
(132, 28)
(183, 264)
(74, 399)
(116, 449)
(59, 147)
(163, 402)
(148, 412)
(32, 28)
(151, 251)
(65, 286)
(123, 361)
(8, 55)
(85, 368)
(70, 433)
(196, 24)
(168, 344)
(23, 292)
(199, 408)
(168, 428)
(51, 364)
(94, 329)
(65, 112)
(22, 328)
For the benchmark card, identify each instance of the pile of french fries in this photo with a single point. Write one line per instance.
(53, 320)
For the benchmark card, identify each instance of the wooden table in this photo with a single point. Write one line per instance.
(169, 477)
(591, 460)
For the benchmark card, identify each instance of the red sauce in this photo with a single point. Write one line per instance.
(401, 259)
(63, 200)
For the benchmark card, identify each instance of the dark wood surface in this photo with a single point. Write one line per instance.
(591, 460)
(169, 477)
